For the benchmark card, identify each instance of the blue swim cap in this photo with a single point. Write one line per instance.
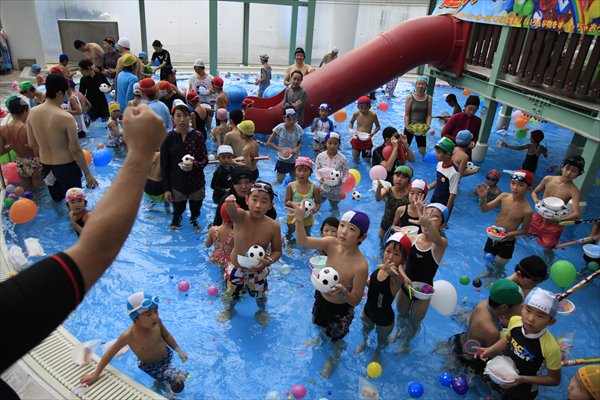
(63, 57)
(422, 78)
(143, 54)
(140, 302)
(358, 219)
(36, 67)
(464, 138)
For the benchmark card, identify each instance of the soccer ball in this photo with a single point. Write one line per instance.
(104, 88)
(356, 195)
(328, 277)
(470, 166)
(187, 159)
(308, 207)
(255, 252)
(334, 175)
(113, 94)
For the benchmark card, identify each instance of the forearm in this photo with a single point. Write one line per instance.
(450, 204)
(80, 160)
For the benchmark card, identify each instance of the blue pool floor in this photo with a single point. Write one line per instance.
(240, 359)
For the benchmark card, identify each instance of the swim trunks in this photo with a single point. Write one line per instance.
(335, 318)
(364, 146)
(548, 233)
(62, 177)
(254, 282)
(154, 188)
(26, 167)
(162, 370)
(502, 249)
(284, 167)
(475, 364)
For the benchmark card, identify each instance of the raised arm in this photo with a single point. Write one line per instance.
(301, 238)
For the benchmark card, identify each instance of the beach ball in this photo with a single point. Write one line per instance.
(355, 174)
(343, 195)
(516, 114)
(22, 211)
(444, 298)
(285, 269)
(211, 157)
(374, 369)
(415, 389)
(430, 157)
(349, 184)
(387, 152)
(383, 106)
(212, 290)
(236, 94)
(298, 391)
(273, 90)
(88, 157)
(13, 196)
(378, 172)
(446, 379)
(477, 282)
(10, 172)
(467, 92)
(183, 286)
(460, 385)
(102, 157)
(340, 116)
(562, 272)
(255, 252)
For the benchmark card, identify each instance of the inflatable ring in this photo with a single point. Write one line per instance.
(545, 212)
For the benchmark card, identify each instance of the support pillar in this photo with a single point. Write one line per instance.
(576, 146)
(142, 8)
(503, 121)
(246, 33)
(213, 37)
(586, 181)
(293, 33)
(310, 29)
(430, 84)
(490, 108)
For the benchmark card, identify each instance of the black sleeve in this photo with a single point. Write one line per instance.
(83, 86)
(154, 57)
(35, 302)
(168, 59)
(214, 179)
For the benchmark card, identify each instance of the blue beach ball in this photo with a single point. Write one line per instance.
(102, 157)
(236, 94)
(273, 90)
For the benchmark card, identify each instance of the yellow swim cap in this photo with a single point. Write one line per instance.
(129, 59)
(113, 106)
(246, 127)
(590, 377)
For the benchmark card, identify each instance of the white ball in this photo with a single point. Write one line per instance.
(255, 252)
(308, 207)
(334, 174)
(273, 395)
(113, 94)
(285, 269)
(104, 88)
(356, 195)
(187, 159)
(328, 277)
(211, 157)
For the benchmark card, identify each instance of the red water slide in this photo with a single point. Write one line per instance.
(439, 40)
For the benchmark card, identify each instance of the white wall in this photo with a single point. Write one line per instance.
(19, 20)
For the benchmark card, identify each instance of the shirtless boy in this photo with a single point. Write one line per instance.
(365, 119)
(334, 311)
(149, 340)
(299, 64)
(52, 132)
(234, 138)
(251, 228)
(548, 230)
(515, 211)
(93, 51)
(250, 149)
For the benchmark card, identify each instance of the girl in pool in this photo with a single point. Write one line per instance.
(222, 239)
(329, 228)
(295, 95)
(384, 283)
(423, 261)
(302, 189)
(418, 110)
(395, 197)
(78, 213)
(114, 130)
(336, 161)
(407, 214)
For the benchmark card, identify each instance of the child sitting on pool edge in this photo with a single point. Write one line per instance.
(78, 213)
(334, 311)
(252, 228)
(150, 341)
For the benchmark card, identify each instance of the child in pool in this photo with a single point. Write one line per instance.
(154, 188)
(221, 127)
(114, 130)
(137, 92)
(365, 119)
(585, 385)
(423, 261)
(222, 238)
(329, 227)
(395, 197)
(289, 135)
(407, 214)
(384, 283)
(222, 99)
(321, 124)
(295, 95)
(534, 150)
(336, 161)
(447, 176)
(491, 181)
(150, 341)
(548, 230)
(250, 150)
(334, 311)
(302, 189)
(460, 156)
(515, 211)
(40, 77)
(78, 213)
(251, 228)
(265, 75)
(221, 180)
(531, 346)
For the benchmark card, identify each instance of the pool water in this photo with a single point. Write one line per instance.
(239, 359)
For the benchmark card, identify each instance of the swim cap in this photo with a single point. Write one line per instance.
(533, 267)
(290, 112)
(114, 106)
(224, 149)
(589, 376)
(247, 103)
(124, 42)
(264, 57)
(199, 63)
(136, 89)
(494, 172)
(56, 70)
(36, 67)
(25, 86)
(223, 212)
(403, 239)
(325, 106)
(543, 300)
(221, 114)
(358, 219)
(129, 59)
(140, 302)
(422, 78)
(576, 161)
(192, 97)
(142, 54)
(523, 176)
(334, 135)
(505, 291)
(63, 57)
(443, 209)
(537, 135)
(148, 86)
(240, 173)
(16, 104)
(364, 100)
(75, 193)
(335, 50)
(217, 81)
(164, 85)
(304, 161)
(246, 127)
(404, 169)
(472, 100)
(446, 145)
(178, 104)
(419, 184)
(464, 138)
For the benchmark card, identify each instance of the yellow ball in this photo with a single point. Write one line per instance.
(356, 175)
(374, 369)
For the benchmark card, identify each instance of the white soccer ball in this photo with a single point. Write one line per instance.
(334, 175)
(113, 94)
(104, 88)
(356, 195)
(328, 277)
(187, 159)
(308, 207)
(211, 157)
(255, 252)
(470, 166)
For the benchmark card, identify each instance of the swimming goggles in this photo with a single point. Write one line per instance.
(518, 177)
(263, 187)
(491, 179)
(146, 304)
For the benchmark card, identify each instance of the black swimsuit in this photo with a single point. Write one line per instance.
(421, 266)
(404, 220)
(379, 301)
